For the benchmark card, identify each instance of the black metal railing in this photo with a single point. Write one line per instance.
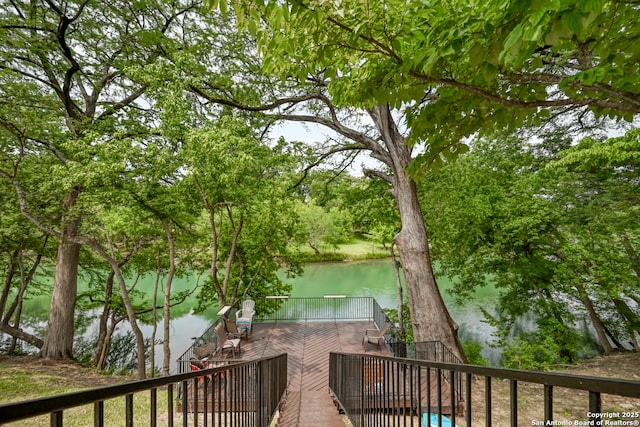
(204, 345)
(331, 307)
(387, 391)
(437, 351)
(283, 308)
(328, 307)
(238, 394)
(208, 342)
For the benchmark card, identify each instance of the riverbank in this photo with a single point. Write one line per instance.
(356, 250)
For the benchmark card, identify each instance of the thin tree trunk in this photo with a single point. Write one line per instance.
(396, 270)
(102, 359)
(613, 338)
(20, 334)
(16, 323)
(598, 325)
(6, 287)
(154, 322)
(103, 341)
(15, 310)
(631, 319)
(166, 363)
(131, 316)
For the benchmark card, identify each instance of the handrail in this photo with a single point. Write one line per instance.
(268, 385)
(406, 383)
(328, 307)
(208, 336)
(437, 351)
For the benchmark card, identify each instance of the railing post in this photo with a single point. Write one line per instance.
(595, 405)
(56, 419)
(154, 407)
(487, 401)
(98, 414)
(362, 388)
(194, 386)
(185, 403)
(428, 377)
(452, 396)
(468, 401)
(170, 404)
(129, 410)
(548, 403)
(261, 421)
(439, 388)
(513, 386)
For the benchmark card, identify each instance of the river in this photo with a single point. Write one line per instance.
(357, 278)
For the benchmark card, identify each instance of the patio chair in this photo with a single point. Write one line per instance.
(232, 329)
(224, 342)
(205, 350)
(374, 336)
(196, 365)
(244, 316)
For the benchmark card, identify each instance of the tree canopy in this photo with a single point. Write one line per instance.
(458, 67)
(549, 225)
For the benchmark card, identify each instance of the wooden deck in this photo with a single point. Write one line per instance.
(307, 345)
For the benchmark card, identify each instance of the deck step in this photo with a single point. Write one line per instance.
(310, 408)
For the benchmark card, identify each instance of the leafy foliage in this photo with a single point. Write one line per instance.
(551, 227)
(456, 67)
(247, 218)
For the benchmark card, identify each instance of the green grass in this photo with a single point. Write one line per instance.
(25, 382)
(356, 249)
(114, 413)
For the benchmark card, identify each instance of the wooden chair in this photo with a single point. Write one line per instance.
(224, 342)
(374, 336)
(233, 331)
(244, 316)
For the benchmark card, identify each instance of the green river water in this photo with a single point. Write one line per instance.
(374, 278)
(357, 278)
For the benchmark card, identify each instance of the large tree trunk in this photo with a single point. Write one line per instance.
(401, 329)
(58, 343)
(430, 318)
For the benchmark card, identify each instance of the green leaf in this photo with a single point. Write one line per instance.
(253, 27)
(511, 44)
(572, 20)
(591, 5)
(535, 31)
